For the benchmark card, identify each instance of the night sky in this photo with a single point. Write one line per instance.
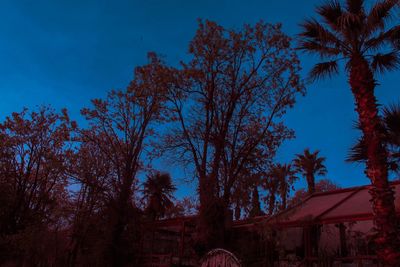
(65, 53)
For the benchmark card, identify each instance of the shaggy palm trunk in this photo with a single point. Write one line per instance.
(362, 85)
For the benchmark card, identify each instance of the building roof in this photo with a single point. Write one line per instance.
(342, 205)
(336, 206)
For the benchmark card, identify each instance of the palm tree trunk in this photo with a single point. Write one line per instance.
(311, 183)
(271, 204)
(385, 221)
(284, 200)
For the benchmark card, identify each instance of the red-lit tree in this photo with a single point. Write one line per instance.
(366, 42)
(227, 101)
(91, 172)
(33, 181)
(121, 127)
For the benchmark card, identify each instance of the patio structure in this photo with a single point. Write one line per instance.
(326, 229)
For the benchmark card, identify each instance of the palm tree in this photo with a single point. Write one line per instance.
(390, 128)
(287, 176)
(279, 181)
(158, 192)
(271, 184)
(363, 40)
(309, 165)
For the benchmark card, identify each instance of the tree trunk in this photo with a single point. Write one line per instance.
(284, 201)
(211, 224)
(271, 204)
(311, 183)
(385, 221)
(119, 222)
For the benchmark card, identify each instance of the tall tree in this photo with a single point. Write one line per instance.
(33, 185)
(310, 164)
(92, 173)
(121, 127)
(158, 191)
(227, 101)
(365, 40)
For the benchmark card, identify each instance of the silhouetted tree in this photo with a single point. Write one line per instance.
(363, 39)
(278, 182)
(121, 127)
(227, 101)
(286, 176)
(310, 164)
(255, 204)
(158, 192)
(271, 185)
(92, 173)
(33, 187)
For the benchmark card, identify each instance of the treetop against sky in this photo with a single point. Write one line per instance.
(65, 53)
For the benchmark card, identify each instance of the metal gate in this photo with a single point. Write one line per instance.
(219, 258)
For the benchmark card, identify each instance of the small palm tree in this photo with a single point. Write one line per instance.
(283, 176)
(279, 181)
(158, 192)
(287, 177)
(390, 128)
(309, 165)
(367, 45)
(271, 184)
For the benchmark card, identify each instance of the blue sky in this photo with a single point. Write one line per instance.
(65, 53)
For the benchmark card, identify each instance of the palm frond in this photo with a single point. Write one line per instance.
(385, 62)
(324, 51)
(331, 12)
(380, 13)
(312, 29)
(376, 42)
(391, 37)
(393, 34)
(355, 6)
(391, 119)
(358, 153)
(350, 23)
(324, 69)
